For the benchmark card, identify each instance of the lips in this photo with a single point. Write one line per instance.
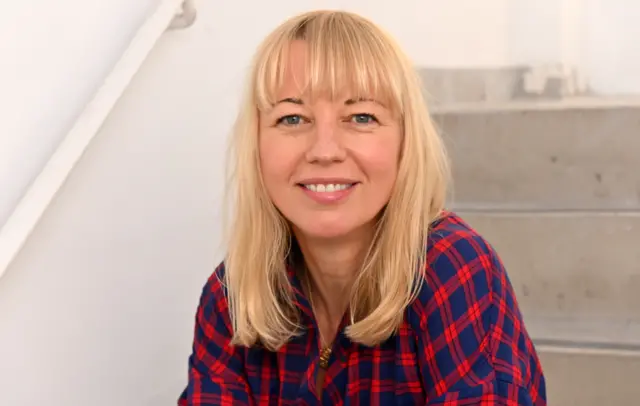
(326, 188)
(328, 192)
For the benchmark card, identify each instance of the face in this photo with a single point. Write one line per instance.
(328, 165)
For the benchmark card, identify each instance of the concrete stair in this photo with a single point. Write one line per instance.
(583, 377)
(555, 187)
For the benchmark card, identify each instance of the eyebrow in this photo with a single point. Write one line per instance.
(291, 100)
(360, 100)
(348, 102)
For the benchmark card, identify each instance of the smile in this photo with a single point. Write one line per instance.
(327, 188)
(328, 193)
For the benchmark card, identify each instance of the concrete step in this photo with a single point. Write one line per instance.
(585, 332)
(578, 267)
(555, 188)
(577, 281)
(544, 156)
(444, 86)
(586, 377)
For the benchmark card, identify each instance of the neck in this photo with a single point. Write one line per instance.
(333, 266)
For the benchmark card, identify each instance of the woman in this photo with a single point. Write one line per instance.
(346, 281)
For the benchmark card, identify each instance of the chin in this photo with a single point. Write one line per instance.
(327, 227)
(325, 233)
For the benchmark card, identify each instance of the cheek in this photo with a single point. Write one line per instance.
(268, 164)
(276, 163)
(380, 159)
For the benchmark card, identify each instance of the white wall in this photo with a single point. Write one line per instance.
(612, 43)
(598, 38)
(97, 309)
(436, 34)
(54, 55)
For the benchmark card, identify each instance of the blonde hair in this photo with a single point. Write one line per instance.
(346, 51)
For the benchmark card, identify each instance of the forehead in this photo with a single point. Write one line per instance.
(295, 74)
(297, 60)
(306, 71)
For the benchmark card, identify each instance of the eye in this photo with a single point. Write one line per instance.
(364, 118)
(291, 120)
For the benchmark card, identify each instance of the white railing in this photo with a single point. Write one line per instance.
(170, 14)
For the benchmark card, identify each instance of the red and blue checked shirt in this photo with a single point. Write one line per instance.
(462, 342)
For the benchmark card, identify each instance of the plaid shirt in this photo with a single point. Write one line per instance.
(462, 342)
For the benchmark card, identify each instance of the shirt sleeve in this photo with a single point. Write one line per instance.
(473, 348)
(216, 375)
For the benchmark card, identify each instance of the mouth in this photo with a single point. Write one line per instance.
(327, 187)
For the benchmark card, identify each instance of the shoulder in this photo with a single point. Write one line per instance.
(460, 277)
(466, 317)
(454, 248)
(214, 290)
(213, 308)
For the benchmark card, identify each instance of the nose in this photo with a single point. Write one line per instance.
(326, 143)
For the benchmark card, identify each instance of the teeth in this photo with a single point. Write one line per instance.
(328, 188)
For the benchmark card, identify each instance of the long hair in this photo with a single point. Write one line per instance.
(346, 51)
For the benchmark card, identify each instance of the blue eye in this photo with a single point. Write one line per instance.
(363, 118)
(291, 120)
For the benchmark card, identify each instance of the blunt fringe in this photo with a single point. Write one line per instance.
(346, 51)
